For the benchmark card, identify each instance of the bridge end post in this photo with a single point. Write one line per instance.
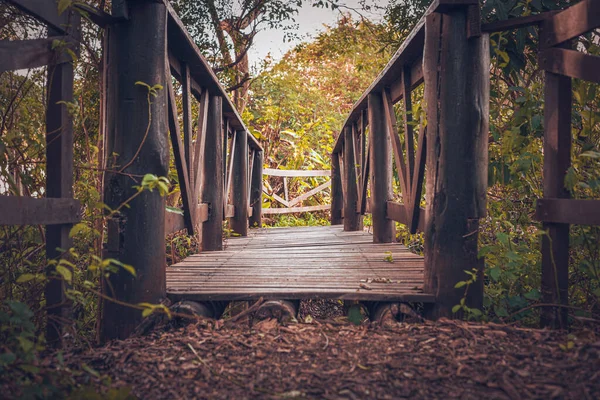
(136, 133)
(384, 229)
(212, 177)
(457, 87)
(239, 222)
(352, 217)
(256, 190)
(337, 195)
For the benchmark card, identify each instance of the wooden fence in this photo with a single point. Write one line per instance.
(448, 52)
(291, 205)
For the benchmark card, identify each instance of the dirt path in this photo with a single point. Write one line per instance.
(337, 360)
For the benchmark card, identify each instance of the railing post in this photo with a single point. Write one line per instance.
(337, 195)
(256, 190)
(352, 218)
(136, 236)
(212, 177)
(384, 229)
(557, 160)
(456, 71)
(239, 223)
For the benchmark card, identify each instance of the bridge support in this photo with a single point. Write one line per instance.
(256, 190)
(352, 218)
(337, 195)
(136, 133)
(384, 229)
(456, 71)
(239, 223)
(212, 177)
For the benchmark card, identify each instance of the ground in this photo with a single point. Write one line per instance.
(334, 359)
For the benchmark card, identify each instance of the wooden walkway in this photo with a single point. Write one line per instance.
(299, 263)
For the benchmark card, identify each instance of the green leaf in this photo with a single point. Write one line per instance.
(456, 308)
(494, 273)
(64, 272)
(147, 312)
(129, 269)
(63, 5)
(25, 278)
(460, 284)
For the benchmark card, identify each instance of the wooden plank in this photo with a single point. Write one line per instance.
(18, 210)
(392, 127)
(398, 213)
(285, 190)
(180, 160)
(230, 164)
(557, 161)
(268, 211)
(408, 130)
(45, 11)
(568, 211)
(229, 211)
(337, 196)
(570, 23)
(174, 222)
(256, 189)
(211, 191)
(187, 126)
(295, 173)
(24, 54)
(384, 229)
(364, 184)
(516, 23)
(352, 219)
(414, 211)
(571, 63)
(200, 144)
(239, 223)
(310, 193)
(97, 16)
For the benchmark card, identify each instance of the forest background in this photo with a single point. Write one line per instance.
(295, 106)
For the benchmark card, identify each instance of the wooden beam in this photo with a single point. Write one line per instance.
(557, 161)
(295, 173)
(570, 23)
(229, 211)
(97, 16)
(392, 127)
(408, 129)
(516, 23)
(256, 190)
(18, 210)
(310, 193)
(352, 219)
(45, 11)
(337, 196)
(414, 211)
(199, 146)
(239, 223)
(187, 126)
(212, 177)
(268, 211)
(568, 211)
(399, 213)
(384, 229)
(24, 54)
(571, 63)
(180, 160)
(230, 163)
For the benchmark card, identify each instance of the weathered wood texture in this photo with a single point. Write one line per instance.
(557, 160)
(457, 91)
(18, 210)
(212, 177)
(352, 218)
(337, 195)
(384, 229)
(256, 189)
(239, 223)
(22, 54)
(136, 131)
(296, 263)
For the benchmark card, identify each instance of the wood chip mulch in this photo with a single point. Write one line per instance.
(338, 360)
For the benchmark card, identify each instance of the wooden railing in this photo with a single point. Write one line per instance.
(448, 51)
(289, 204)
(219, 173)
(58, 210)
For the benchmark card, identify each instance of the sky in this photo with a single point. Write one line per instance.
(310, 21)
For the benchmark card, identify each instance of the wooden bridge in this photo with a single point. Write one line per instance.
(441, 169)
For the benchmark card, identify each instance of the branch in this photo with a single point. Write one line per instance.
(239, 84)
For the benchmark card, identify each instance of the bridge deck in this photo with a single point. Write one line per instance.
(298, 263)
